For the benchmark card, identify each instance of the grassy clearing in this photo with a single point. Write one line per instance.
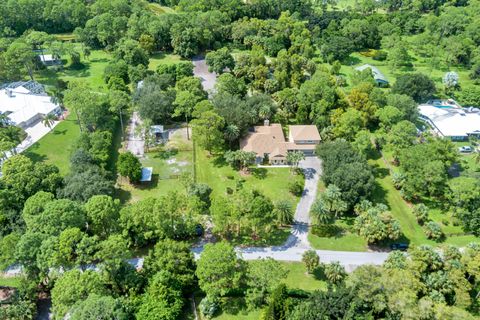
(168, 163)
(162, 58)
(273, 182)
(55, 147)
(344, 242)
(339, 236)
(10, 281)
(92, 71)
(386, 193)
(164, 178)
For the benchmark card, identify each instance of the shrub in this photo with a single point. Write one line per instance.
(398, 179)
(129, 166)
(296, 188)
(208, 307)
(379, 55)
(421, 213)
(311, 260)
(433, 231)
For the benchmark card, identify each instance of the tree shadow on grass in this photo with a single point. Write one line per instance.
(32, 155)
(60, 132)
(166, 154)
(319, 273)
(149, 185)
(350, 61)
(379, 172)
(234, 306)
(379, 194)
(259, 173)
(219, 161)
(123, 195)
(385, 246)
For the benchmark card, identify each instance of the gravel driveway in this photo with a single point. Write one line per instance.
(135, 141)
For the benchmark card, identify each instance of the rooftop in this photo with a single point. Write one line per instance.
(377, 74)
(146, 174)
(269, 139)
(305, 132)
(22, 101)
(452, 121)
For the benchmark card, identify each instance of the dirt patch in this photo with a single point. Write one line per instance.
(6, 293)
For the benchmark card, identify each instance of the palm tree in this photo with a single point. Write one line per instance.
(49, 119)
(335, 272)
(284, 211)
(265, 112)
(320, 212)
(232, 133)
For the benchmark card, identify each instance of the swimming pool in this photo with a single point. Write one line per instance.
(442, 106)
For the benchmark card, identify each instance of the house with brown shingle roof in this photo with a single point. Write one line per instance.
(269, 143)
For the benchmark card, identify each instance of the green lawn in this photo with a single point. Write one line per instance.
(273, 182)
(162, 58)
(386, 193)
(55, 147)
(343, 242)
(92, 71)
(10, 281)
(166, 168)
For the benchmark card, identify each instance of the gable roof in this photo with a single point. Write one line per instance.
(265, 139)
(304, 132)
(271, 140)
(377, 74)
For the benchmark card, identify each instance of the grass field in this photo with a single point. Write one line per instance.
(92, 71)
(162, 58)
(273, 182)
(10, 281)
(164, 178)
(168, 163)
(55, 147)
(347, 241)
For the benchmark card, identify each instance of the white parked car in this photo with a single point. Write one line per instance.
(465, 149)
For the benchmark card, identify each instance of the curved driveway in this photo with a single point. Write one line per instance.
(297, 243)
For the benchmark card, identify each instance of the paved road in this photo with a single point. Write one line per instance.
(135, 141)
(200, 70)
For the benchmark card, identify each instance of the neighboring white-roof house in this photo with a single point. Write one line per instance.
(26, 103)
(49, 60)
(451, 120)
(378, 76)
